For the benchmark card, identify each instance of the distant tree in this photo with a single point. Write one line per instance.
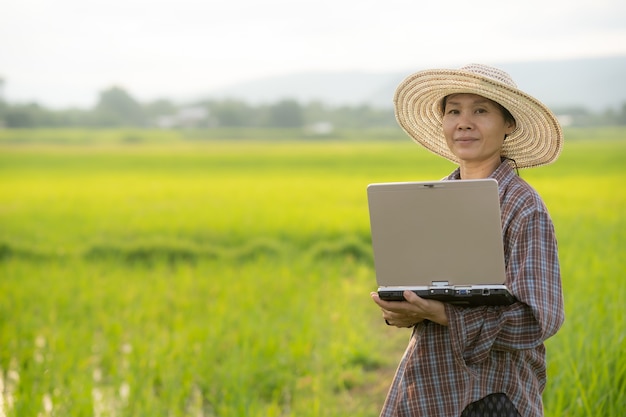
(161, 107)
(232, 113)
(315, 112)
(286, 113)
(75, 117)
(116, 107)
(29, 115)
(365, 116)
(3, 111)
(18, 117)
(621, 117)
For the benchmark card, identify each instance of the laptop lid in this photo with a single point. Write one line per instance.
(437, 237)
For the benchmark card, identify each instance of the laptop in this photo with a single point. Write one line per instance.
(439, 239)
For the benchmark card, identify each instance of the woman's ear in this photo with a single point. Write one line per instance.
(510, 127)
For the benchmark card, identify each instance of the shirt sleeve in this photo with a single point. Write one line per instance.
(533, 275)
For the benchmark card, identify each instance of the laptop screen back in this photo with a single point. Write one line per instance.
(425, 233)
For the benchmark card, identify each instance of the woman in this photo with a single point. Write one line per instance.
(490, 360)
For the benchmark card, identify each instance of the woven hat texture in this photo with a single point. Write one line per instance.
(537, 139)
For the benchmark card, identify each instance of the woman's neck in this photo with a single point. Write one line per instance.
(471, 171)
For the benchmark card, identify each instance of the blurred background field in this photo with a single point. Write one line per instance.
(226, 272)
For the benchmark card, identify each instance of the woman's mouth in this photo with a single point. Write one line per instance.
(465, 140)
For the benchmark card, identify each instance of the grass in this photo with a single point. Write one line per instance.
(179, 274)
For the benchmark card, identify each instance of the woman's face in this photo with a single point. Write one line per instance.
(474, 128)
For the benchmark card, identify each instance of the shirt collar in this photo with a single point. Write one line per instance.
(503, 174)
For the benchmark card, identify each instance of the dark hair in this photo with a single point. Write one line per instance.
(508, 117)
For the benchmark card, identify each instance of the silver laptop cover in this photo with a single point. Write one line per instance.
(438, 238)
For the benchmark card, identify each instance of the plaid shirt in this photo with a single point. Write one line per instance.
(490, 349)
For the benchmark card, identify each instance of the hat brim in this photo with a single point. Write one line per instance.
(537, 139)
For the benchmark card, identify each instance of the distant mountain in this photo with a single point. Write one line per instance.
(594, 83)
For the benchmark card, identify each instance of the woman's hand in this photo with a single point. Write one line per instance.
(412, 311)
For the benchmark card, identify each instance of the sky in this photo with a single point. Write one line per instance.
(62, 53)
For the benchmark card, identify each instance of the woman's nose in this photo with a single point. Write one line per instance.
(464, 122)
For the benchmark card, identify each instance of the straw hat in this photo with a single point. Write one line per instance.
(537, 139)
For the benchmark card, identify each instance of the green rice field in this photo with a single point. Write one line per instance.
(172, 273)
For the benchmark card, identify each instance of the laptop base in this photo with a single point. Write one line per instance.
(468, 297)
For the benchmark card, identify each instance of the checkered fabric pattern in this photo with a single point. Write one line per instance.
(490, 349)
